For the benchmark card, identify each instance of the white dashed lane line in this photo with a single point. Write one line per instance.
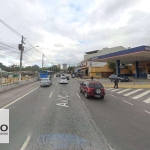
(50, 95)
(78, 95)
(127, 102)
(25, 143)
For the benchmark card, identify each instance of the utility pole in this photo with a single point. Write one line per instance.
(42, 61)
(21, 48)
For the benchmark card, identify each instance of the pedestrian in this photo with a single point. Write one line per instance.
(116, 83)
(92, 78)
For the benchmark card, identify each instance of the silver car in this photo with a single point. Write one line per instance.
(45, 82)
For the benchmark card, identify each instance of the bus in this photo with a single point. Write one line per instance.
(46, 74)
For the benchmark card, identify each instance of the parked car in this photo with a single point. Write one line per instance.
(63, 79)
(45, 82)
(92, 89)
(58, 75)
(121, 78)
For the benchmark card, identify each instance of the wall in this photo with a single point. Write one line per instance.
(100, 71)
(5, 87)
(126, 71)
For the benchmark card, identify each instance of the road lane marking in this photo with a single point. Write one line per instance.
(147, 101)
(112, 95)
(50, 95)
(56, 83)
(141, 95)
(110, 88)
(18, 99)
(127, 102)
(147, 111)
(123, 91)
(132, 92)
(115, 90)
(26, 143)
(78, 95)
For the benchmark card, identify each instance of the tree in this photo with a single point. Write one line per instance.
(112, 66)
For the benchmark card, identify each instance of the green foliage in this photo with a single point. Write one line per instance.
(112, 66)
(15, 68)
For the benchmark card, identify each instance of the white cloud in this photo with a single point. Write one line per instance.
(66, 29)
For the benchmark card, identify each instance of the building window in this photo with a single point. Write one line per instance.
(98, 74)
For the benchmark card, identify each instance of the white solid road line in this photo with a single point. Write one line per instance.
(142, 94)
(147, 111)
(115, 90)
(123, 91)
(25, 143)
(50, 95)
(127, 102)
(78, 95)
(18, 99)
(132, 92)
(147, 101)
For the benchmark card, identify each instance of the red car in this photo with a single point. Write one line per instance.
(92, 89)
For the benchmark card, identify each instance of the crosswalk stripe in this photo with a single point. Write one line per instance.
(147, 101)
(123, 91)
(109, 88)
(115, 90)
(132, 92)
(142, 94)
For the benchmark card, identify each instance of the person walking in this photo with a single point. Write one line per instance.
(92, 78)
(116, 83)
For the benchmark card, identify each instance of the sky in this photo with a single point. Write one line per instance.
(65, 30)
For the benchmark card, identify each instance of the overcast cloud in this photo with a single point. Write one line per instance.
(64, 30)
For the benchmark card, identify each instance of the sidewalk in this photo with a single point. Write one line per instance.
(133, 83)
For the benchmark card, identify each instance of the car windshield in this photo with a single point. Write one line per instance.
(95, 85)
(45, 80)
(63, 78)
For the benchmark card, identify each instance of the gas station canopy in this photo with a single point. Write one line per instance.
(141, 53)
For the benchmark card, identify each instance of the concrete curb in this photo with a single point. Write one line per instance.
(126, 86)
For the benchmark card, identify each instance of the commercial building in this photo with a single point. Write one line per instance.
(139, 57)
(64, 66)
(59, 66)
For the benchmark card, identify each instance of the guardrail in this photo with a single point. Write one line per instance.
(5, 87)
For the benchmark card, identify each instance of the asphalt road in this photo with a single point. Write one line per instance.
(60, 118)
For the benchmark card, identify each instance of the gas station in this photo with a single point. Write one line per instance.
(139, 57)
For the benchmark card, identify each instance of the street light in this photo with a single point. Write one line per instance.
(30, 48)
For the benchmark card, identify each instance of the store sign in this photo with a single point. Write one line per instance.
(83, 64)
(4, 125)
(94, 58)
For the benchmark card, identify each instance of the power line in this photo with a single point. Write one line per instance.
(8, 45)
(33, 46)
(30, 56)
(10, 28)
